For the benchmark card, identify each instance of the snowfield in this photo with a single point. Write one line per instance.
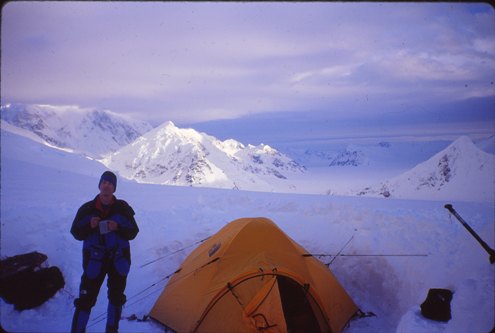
(42, 188)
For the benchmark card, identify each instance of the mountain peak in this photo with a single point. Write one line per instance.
(458, 172)
(463, 144)
(168, 124)
(177, 156)
(351, 156)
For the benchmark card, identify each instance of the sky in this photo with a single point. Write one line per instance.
(229, 63)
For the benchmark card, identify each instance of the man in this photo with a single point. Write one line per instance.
(105, 224)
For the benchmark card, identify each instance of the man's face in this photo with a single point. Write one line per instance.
(106, 188)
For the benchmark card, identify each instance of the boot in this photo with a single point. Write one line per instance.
(79, 321)
(113, 318)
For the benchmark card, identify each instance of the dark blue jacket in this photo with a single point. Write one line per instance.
(113, 245)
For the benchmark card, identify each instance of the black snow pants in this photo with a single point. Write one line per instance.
(90, 287)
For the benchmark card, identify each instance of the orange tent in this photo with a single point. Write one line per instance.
(251, 277)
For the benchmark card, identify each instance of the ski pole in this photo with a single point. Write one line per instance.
(488, 249)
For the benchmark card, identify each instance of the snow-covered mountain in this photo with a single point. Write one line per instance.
(351, 156)
(174, 156)
(460, 172)
(170, 155)
(360, 154)
(91, 132)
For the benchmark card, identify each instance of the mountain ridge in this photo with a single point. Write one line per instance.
(461, 170)
(162, 155)
(174, 156)
(171, 155)
(92, 132)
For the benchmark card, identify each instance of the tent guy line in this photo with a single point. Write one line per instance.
(340, 251)
(102, 316)
(175, 252)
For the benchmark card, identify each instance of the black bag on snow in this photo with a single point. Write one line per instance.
(437, 305)
(25, 284)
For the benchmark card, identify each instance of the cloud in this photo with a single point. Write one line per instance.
(197, 61)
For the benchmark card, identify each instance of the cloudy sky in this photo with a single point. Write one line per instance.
(193, 62)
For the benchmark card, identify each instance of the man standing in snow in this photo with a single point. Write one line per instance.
(105, 224)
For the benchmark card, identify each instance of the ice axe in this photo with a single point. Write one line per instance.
(488, 249)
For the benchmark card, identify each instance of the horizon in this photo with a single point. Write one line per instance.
(309, 133)
(366, 164)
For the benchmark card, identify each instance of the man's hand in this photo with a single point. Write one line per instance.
(112, 225)
(95, 220)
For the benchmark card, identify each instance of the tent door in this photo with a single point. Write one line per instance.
(265, 309)
(282, 305)
(298, 311)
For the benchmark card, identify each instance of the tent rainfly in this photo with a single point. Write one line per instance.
(251, 277)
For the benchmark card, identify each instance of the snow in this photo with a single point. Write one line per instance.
(88, 131)
(41, 189)
(169, 155)
(461, 171)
